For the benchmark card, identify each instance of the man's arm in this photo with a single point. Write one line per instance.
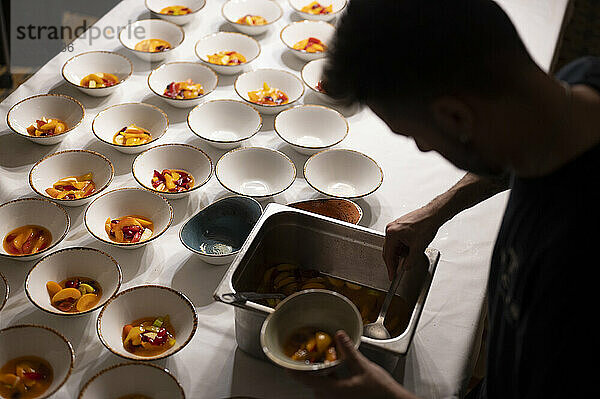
(408, 236)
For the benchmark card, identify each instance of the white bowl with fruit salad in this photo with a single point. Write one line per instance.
(45, 119)
(128, 217)
(130, 127)
(151, 39)
(97, 73)
(180, 12)
(182, 84)
(269, 90)
(227, 53)
(321, 10)
(251, 17)
(172, 170)
(308, 40)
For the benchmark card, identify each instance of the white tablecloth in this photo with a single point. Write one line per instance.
(440, 361)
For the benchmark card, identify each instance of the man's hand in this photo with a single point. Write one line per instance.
(366, 379)
(408, 236)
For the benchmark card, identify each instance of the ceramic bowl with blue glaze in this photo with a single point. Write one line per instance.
(217, 232)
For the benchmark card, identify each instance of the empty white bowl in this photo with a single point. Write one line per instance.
(275, 78)
(233, 10)
(128, 201)
(162, 76)
(337, 7)
(255, 171)
(156, 6)
(227, 41)
(25, 113)
(301, 30)
(146, 301)
(311, 128)
(36, 211)
(59, 165)
(4, 291)
(172, 156)
(343, 173)
(312, 74)
(43, 342)
(323, 310)
(81, 65)
(132, 378)
(212, 122)
(72, 262)
(144, 29)
(112, 119)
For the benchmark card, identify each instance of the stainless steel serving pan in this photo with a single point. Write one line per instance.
(353, 253)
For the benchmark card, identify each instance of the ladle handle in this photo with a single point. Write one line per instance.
(241, 297)
(392, 291)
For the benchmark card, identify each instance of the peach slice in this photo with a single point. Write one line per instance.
(66, 293)
(53, 288)
(87, 302)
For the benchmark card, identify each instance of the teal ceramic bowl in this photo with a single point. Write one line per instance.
(217, 232)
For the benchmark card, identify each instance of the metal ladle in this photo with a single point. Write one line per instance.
(377, 330)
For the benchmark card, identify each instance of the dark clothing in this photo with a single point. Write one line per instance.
(542, 287)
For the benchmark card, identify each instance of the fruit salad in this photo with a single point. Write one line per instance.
(129, 229)
(252, 20)
(25, 377)
(153, 45)
(316, 8)
(74, 294)
(99, 79)
(172, 180)
(268, 96)
(149, 336)
(310, 45)
(176, 10)
(72, 187)
(309, 345)
(183, 90)
(132, 135)
(47, 127)
(27, 240)
(226, 58)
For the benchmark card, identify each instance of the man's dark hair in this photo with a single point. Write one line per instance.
(415, 50)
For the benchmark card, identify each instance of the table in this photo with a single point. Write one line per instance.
(446, 344)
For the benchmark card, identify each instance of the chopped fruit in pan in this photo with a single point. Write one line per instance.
(268, 96)
(252, 20)
(182, 90)
(226, 58)
(172, 180)
(72, 187)
(310, 45)
(132, 135)
(99, 79)
(176, 10)
(47, 127)
(153, 45)
(129, 229)
(27, 240)
(316, 8)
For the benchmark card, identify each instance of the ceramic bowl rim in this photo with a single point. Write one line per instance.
(180, 15)
(124, 245)
(166, 64)
(65, 340)
(286, 105)
(194, 215)
(312, 15)
(185, 299)
(173, 145)
(236, 24)
(135, 145)
(307, 146)
(62, 237)
(62, 70)
(64, 200)
(4, 299)
(98, 305)
(345, 150)
(304, 21)
(260, 124)
(253, 148)
(226, 33)
(159, 21)
(69, 98)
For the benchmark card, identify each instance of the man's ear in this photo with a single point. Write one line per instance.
(453, 116)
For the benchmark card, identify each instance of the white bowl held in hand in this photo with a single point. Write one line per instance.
(43, 342)
(322, 310)
(73, 262)
(156, 6)
(125, 202)
(255, 171)
(312, 74)
(274, 78)
(50, 106)
(212, 122)
(141, 302)
(93, 62)
(132, 378)
(337, 6)
(233, 10)
(227, 41)
(343, 173)
(111, 120)
(161, 77)
(59, 165)
(4, 291)
(172, 156)
(33, 211)
(311, 128)
(302, 30)
(144, 29)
